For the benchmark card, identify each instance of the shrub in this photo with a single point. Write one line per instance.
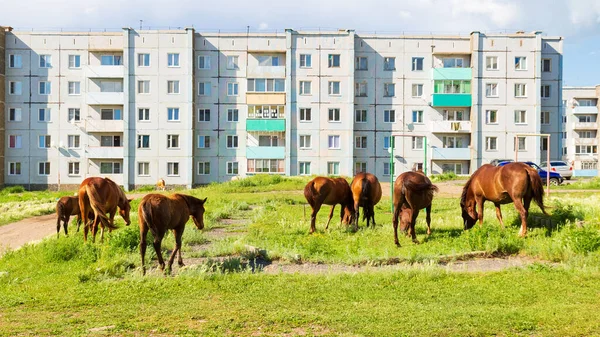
(13, 189)
(443, 177)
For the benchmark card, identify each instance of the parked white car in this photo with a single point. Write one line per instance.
(559, 166)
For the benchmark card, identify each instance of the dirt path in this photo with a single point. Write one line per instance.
(14, 235)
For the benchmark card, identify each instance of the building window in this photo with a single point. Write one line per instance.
(360, 167)
(589, 165)
(334, 142)
(389, 90)
(204, 89)
(14, 168)
(546, 65)
(172, 87)
(74, 88)
(305, 142)
(172, 169)
(232, 168)
(45, 61)
(491, 117)
(586, 102)
(232, 62)
(388, 142)
(14, 115)
(305, 88)
(386, 169)
(360, 142)
(587, 134)
(586, 119)
(15, 61)
(360, 116)
(44, 115)
(521, 143)
(74, 168)
(110, 114)
(143, 60)
(204, 62)
(360, 89)
(334, 115)
(143, 142)
(417, 116)
(73, 141)
(266, 85)
(304, 168)
(586, 149)
(45, 88)
(143, 169)
(545, 91)
(520, 116)
(333, 168)
(143, 114)
(305, 61)
(203, 115)
(203, 142)
(203, 168)
(232, 142)
(266, 166)
(520, 90)
(334, 60)
(172, 141)
(173, 114)
(491, 143)
(232, 115)
(491, 63)
(389, 116)
(452, 142)
(454, 115)
(417, 63)
(520, 63)
(111, 60)
(389, 63)
(143, 87)
(14, 141)
(361, 63)
(491, 90)
(334, 87)
(545, 117)
(232, 89)
(268, 61)
(417, 90)
(456, 168)
(110, 141)
(305, 115)
(173, 60)
(15, 88)
(452, 62)
(44, 168)
(452, 87)
(417, 143)
(74, 61)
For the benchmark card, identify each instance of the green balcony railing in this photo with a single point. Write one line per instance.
(266, 124)
(451, 100)
(452, 74)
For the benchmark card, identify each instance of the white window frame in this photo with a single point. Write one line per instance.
(47, 85)
(334, 60)
(520, 117)
(417, 143)
(143, 60)
(74, 88)
(143, 169)
(520, 63)
(233, 140)
(386, 90)
(173, 114)
(306, 61)
(332, 88)
(74, 169)
(545, 89)
(360, 89)
(488, 117)
(304, 168)
(14, 168)
(386, 168)
(233, 62)
(333, 168)
(418, 87)
(173, 169)
(173, 60)
(233, 115)
(17, 85)
(73, 141)
(205, 168)
(389, 63)
(15, 61)
(360, 166)
(334, 115)
(233, 168)
(360, 116)
(415, 63)
(491, 89)
(18, 142)
(74, 59)
(521, 140)
(203, 113)
(489, 141)
(389, 116)
(333, 142)
(143, 87)
(545, 117)
(419, 117)
(141, 143)
(304, 142)
(144, 113)
(205, 64)
(44, 173)
(304, 85)
(203, 142)
(232, 89)
(45, 61)
(204, 91)
(173, 87)
(17, 113)
(305, 115)
(360, 142)
(359, 65)
(47, 117)
(491, 63)
(173, 142)
(520, 90)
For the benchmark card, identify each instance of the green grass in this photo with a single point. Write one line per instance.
(65, 287)
(17, 204)
(580, 184)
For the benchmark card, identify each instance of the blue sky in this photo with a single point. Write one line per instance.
(578, 21)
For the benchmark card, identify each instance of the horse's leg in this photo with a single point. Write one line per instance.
(66, 224)
(330, 216)
(356, 214)
(78, 218)
(372, 210)
(499, 214)
(413, 221)
(178, 234)
(157, 240)
(58, 219)
(428, 219)
(526, 204)
(480, 211)
(397, 211)
(313, 217)
(143, 234)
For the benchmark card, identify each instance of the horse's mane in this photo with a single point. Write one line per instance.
(463, 196)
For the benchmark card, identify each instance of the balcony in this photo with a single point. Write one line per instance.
(586, 141)
(452, 73)
(105, 98)
(98, 125)
(105, 152)
(273, 124)
(265, 152)
(586, 156)
(266, 72)
(451, 153)
(105, 71)
(585, 126)
(585, 110)
(451, 126)
(265, 98)
(451, 100)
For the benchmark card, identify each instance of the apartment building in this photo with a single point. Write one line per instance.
(580, 129)
(194, 107)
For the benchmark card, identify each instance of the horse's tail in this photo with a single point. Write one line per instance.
(60, 211)
(96, 205)
(365, 195)
(145, 214)
(309, 192)
(428, 186)
(537, 189)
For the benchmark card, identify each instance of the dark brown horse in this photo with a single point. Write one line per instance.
(101, 196)
(159, 213)
(366, 192)
(328, 191)
(515, 182)
(413, 191)
(65, 207)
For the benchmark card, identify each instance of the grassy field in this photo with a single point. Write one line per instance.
(65, 287)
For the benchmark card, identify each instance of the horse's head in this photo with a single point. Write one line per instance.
(124, 209)
(405, 219)
(197, 212)
(348, 214)
(469, 214)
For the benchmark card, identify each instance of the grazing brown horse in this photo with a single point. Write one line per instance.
(159, 213)
(65, 207)
(366, 192)
(101, 196)
(515, 182)
(413, 191)
(160, 184)
(328, 191)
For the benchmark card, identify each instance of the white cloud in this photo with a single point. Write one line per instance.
(584, 12)
(501, 13)
(263, 26)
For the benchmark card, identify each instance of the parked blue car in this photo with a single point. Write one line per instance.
(555, 178)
